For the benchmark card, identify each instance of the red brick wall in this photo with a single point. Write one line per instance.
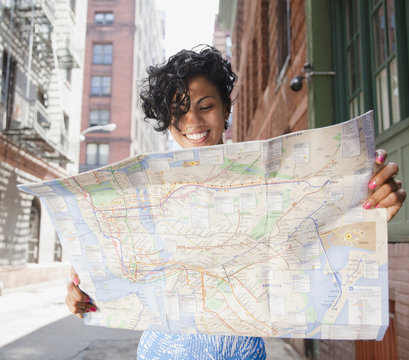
(399, 292)
(265, 107)
(121, 35)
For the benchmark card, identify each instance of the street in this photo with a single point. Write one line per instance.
(36, 325)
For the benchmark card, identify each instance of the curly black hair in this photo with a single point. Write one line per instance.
(164, 93)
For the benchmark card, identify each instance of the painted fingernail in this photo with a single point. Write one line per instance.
(86, 300)
(377, 206)
(380, 159)
(372, 185)
(367, 205)
(93, 309)
(76, 281)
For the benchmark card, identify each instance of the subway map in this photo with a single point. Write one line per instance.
(264, 238)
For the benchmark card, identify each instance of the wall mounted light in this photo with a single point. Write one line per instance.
(297, 82)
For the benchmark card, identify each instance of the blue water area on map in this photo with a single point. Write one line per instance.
(338, 257)
(321, 301)
(59, 188)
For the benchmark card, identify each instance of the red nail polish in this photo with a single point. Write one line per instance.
(93, 309)
(380, 159)
(86, 300)
(367, 205)
(372, 185)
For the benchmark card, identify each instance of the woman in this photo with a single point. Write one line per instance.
(191, 96)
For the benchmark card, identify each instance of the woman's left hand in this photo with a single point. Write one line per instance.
(387, 191)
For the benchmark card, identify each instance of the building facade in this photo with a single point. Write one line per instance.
(312, 63)
(41, 52)
(123, 38)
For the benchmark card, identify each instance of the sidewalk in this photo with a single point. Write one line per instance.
(35, 324)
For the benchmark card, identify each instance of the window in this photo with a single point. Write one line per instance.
(72, 6)
(34, 238)
(68, 75)
(97, 154)
(385, 63)
(353, 57)
(102, 54)
(101, 86)
(66, 122)
(104, 18)
(98, 117)
(372, 56)
(8, 83)
(283, 36)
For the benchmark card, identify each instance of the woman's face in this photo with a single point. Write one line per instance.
(203, 124)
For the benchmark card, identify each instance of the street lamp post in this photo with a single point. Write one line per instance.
(107, 127)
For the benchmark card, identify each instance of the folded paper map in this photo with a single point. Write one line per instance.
(261, 238)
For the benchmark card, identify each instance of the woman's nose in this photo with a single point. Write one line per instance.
(192, 118)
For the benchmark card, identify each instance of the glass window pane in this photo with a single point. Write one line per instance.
(108, 54)
(378, 23)
(351, 70)
(394, 91)
(356, 16)
(382, 100)
(96, 85)
(109, 18)
(353, 108)
(391, 27)
(99, 18)
(96, 55)
(91, 154)
(361, 102)
(283, 31)
(108, 59)
(350, 20)
(104, 117)
(106, 85)
(358, 62)
(103, 154)
(93, 117)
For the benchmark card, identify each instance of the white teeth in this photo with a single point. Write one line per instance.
(196, 136)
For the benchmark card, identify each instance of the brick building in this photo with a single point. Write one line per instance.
(41, 52)
(123, 38)
(343, 58)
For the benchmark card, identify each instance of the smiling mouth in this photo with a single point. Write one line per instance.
(197, 136)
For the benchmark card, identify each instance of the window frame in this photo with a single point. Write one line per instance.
(394, 139)
(283, 65)
(97, 154)
(99, 117)
(105, 55)
(104, 15)
(368, 71)
(101, 85)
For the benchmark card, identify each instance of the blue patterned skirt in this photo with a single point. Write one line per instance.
(160, 346)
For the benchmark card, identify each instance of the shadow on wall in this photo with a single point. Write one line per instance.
(14, 221)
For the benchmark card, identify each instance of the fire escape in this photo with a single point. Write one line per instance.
(33, 23)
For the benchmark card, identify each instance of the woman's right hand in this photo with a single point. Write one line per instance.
(77, 301)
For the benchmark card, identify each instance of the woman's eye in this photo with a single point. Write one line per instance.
(206, 107)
